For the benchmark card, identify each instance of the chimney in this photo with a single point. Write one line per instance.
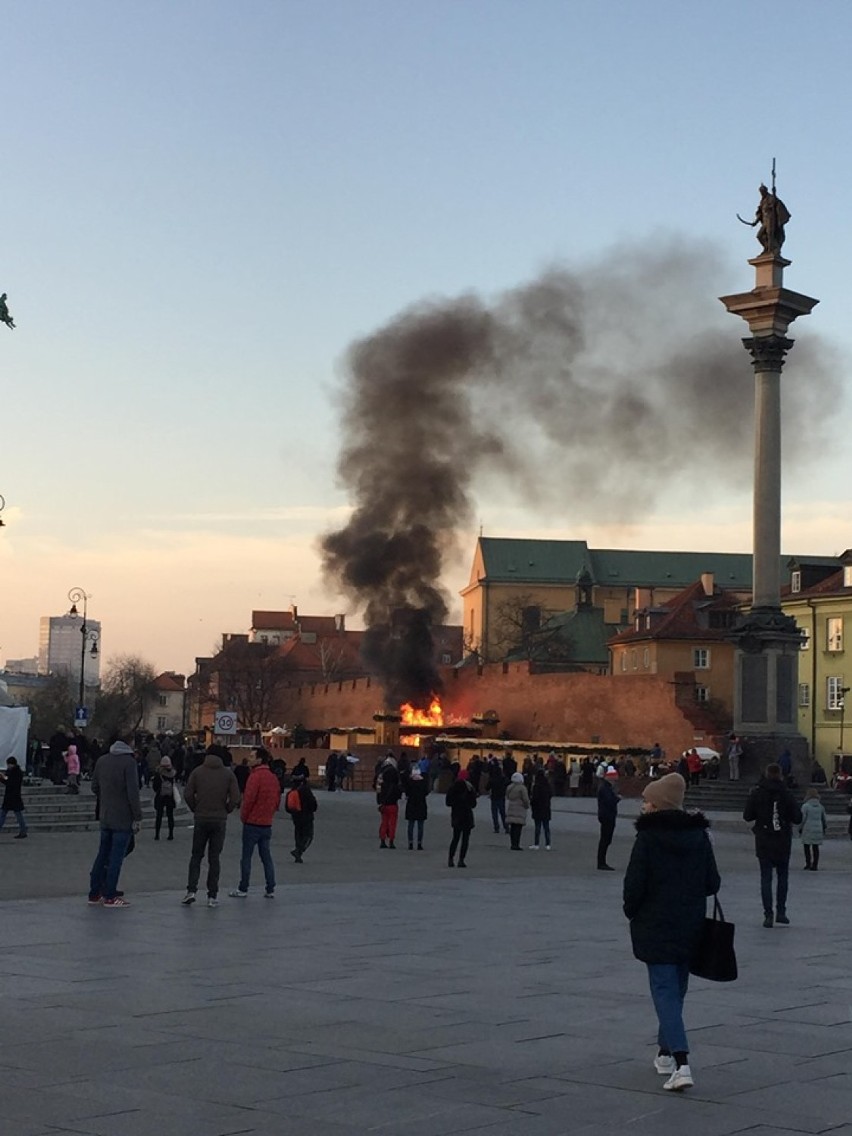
(294, 611)
(340, 623)
(707, 583)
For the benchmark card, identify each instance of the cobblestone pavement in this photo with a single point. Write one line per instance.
(381, 992)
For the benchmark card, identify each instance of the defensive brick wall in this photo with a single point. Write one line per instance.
(621, 711)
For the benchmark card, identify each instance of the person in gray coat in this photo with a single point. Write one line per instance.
(517, 807)
(211, 793)
(812, 829)
(115, 783)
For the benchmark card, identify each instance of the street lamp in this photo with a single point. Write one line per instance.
(78, 595)
(844, 690)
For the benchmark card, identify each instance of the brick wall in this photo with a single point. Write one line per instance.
(621, 711)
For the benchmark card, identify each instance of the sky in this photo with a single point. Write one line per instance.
(206, 203)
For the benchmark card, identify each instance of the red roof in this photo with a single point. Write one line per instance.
(831, 585)
(679, 617)
(168, 680)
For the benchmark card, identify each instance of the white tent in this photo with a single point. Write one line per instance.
(14, 726)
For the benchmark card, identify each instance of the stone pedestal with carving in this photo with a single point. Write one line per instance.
(767, 641)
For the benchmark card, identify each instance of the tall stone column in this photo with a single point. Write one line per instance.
(767, 641)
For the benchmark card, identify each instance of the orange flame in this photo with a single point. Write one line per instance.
(434, 716)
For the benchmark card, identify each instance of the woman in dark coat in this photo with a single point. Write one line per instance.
(671, 872)
(540, 795)
(416, 811)
(461, 800)
(13, 801)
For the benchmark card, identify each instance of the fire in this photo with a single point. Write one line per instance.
(434, 716)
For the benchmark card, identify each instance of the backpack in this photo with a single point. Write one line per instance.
(293, 801)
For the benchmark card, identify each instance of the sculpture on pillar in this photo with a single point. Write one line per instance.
(771, 216)
(5, 317)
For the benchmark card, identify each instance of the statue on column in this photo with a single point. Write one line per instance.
(5, 317)
(771, 216)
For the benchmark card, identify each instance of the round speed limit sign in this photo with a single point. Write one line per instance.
(226, 722)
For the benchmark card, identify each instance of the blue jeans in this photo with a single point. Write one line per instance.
(782, 871)
(257, 836)
(107, 866)
(19, 817)
(669, 982)
(498, 813)
(419, 824)
(539, 825)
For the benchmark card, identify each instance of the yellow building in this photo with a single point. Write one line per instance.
(516, 584)
(820, 600)
(686, 641)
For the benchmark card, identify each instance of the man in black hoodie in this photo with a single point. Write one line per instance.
(773, 811)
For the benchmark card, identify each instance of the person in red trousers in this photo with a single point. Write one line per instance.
(388, 793)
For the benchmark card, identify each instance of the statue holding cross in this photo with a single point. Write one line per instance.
(771, 216)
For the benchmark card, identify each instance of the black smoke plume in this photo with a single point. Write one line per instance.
(586, 391)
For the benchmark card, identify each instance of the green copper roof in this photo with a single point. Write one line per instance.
(560, 562)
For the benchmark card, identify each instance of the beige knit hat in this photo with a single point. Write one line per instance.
(667, 793)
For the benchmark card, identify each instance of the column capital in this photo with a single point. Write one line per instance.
(767, 351)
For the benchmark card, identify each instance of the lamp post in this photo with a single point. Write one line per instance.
(78, 595)
(844, 690)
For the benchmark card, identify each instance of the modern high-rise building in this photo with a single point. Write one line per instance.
(61, 647)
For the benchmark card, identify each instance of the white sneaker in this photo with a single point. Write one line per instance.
(547, 847)
(665, 1064)
(188, 898)
(680, 1079)
(212, 902)
(533, 848)
(235, 893)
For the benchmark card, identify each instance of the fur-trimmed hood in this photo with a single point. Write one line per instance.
(671, 820)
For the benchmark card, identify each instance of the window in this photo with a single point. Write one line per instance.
(795, 581)
(446, 658)
(834, 692)
(646, 658)
(701, 658)
(806, 638)
(634, 661)
(847, 576)
(804, 694)
(162, 700)
(162, 722)
(702, 694)
(834, 633)
(624, 660)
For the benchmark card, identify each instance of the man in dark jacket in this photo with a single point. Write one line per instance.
(773, 811)
(13, 801)
(301, 804)
(115, 783)
(607, 813)
(211, 793)
(671, 872)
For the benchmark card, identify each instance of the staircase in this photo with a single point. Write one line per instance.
(730, 796)
(51, 808)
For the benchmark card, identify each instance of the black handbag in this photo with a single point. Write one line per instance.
(714, 957)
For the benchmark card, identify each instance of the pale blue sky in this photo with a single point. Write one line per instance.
(204, 202)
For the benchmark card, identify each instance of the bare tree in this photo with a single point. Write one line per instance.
(52, 706)
(246, 678)
(524, 629)
(127, 684)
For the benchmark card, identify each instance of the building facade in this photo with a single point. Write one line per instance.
(61, 650)
(820, 600)
(165, 706)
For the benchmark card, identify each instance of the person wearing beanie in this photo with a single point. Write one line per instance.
(671, 872)
(461, 801)
(772, 810)
(388, 794)
(72, 766)
(608, 799)
(115, 782)
(517, 807)
(416, 809)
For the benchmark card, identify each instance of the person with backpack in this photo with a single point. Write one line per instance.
(773, 810)
(301, 804)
